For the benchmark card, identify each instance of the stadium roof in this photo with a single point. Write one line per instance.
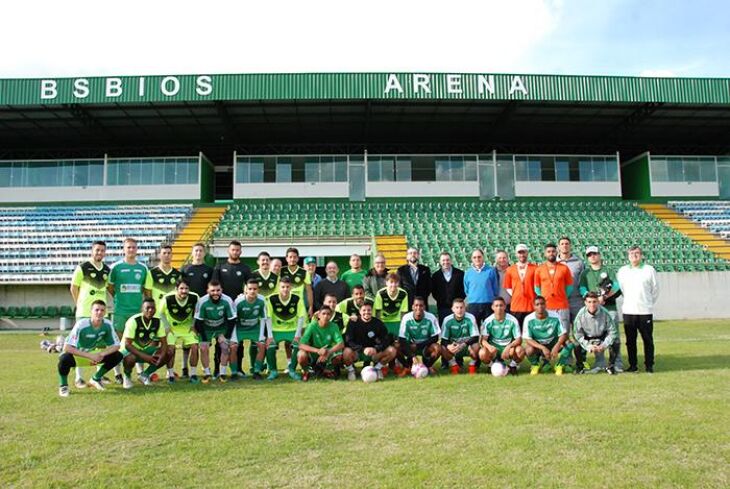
(383, 112)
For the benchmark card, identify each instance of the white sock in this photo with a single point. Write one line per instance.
(206, 370)
(452, 362)
(139, 368)
(170, 373)
(378, 366)
(350, 368)
(193, 370)
(79, 373)
(473, 362)
(512, 363)
(223, 369)
(117, 370)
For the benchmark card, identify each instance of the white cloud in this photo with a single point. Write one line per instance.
(50, 38)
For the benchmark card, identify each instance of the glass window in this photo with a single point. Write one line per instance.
(691, 170)
(111, 173)
(283, 172)
(327, 170)
(5, 174)
(534, 171)
(599, 170)
(707, 171)
(611, 170)
(443, 169)
(470, 169)
(96, 173)
(311, 171)
(17, 174)
(387, 169)
(403, 170)
(340, 169)
(457, 169)
(659, 170)
(256, 171)
(562, 170)
(675, 172)
(81, 173)
(169, 172)
(67, 174)
(374, 170)
(585, 167)
(157, 172)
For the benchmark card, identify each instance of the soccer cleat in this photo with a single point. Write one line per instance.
(632, 370)
(351, 375)
(80, 384)
(512, 370)
(171, 380)
(64, 391)
(105, 381)
(558, 370)
(97, 384)
(206, 378)
(595, 370)
(286, 370)
(273, 375)
(610, 370)
(194, 379)
(397, 371)
(145, 379)
(185, 373)
(404, 372)
(257, 376)
(235, 377)
(223, 378)
(380, 373)
(127, 383)
(241, 374)
(473, 368)
(650, 370)
(119, 379)
(305, 376)
(618, 370)
(295, 376)
(455, 370)
(535, 370)
(579, 371)
(545, 367)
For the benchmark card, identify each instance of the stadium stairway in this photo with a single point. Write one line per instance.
(199, 228)
(689, 228)
(394, 248)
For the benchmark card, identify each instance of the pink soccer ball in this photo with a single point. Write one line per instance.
(498, 369)
(419, 371)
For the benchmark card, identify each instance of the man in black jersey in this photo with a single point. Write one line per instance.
(367, 340)
(197, 274)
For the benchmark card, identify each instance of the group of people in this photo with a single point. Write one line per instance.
(553, 314)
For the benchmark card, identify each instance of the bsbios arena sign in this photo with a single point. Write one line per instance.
(115, 87)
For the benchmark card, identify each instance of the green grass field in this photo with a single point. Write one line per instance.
(670, 429)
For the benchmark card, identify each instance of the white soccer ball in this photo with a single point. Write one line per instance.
(498, 369)
(419, 371)
(369, 375)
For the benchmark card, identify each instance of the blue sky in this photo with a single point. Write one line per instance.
(616, 37)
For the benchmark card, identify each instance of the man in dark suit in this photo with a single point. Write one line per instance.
(447, 284)
(414, 277)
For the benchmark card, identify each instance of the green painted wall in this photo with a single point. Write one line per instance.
(635, 183)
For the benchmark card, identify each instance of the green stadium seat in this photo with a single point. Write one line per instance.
(3, 312)
(66, 312)
(24, 312)
(12, 312)
(37, 312)
(52, 312)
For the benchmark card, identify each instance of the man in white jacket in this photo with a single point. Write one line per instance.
(638, 282)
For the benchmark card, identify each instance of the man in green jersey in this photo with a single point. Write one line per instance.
(350, 307)
(355, 274)
(598, 278)
(92, 341)
(391, 303)
(288, 315)
(177, 313)
(163, 278)
(545, 338)
(321, 346)
(267, 280)
(301, 281)
(215, 317)
(88, 284)
(128, 285)
(144, 341)
(501, 337)
(418, 336)
(253, 325)
(460, 338)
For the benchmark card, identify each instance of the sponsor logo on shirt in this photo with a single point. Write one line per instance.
(130, 288)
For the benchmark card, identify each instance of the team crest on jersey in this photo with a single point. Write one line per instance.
(371, 334)
(161, 280)
(297, 279)
(291, 310)
(205, 275)
(238, 272)
(92, 275)
(220, 313)
(137, 276)
(92, 292)
(604, 275)
(424, 331)
(188, 309)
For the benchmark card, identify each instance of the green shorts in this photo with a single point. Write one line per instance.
(120, 320)
(313, 358)
(150, 350)
(393, 327)
(463, 353)
(280, 336)
(83, 361)
(188, 338)
(239, 335)
(212, 334)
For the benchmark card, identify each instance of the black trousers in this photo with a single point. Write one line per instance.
(643, 324)
(480, 310)
(66, 362)
(613, 351)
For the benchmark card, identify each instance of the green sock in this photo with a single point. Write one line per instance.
(234, 368)
(258, 367)
(128, 372)
(271, 358)
(63, 380)
(253, 350)
(100, 373)
(150, 370)
(293, 362)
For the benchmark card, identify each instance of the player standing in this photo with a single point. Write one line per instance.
(253, 325)
(164, 277)
(215, 317)
(288, 314)
(177, 314)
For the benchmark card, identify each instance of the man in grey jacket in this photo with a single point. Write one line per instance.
(595, 331)
(576, 265)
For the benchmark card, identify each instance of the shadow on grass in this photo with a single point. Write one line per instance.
(674, 363)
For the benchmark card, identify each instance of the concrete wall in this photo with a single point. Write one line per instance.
(685, 189)
(286, 190)
(422, 189)
(100, 193)
(568, 189)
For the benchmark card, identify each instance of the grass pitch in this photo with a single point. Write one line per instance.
(670, 429)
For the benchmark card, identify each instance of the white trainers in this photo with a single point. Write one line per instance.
(351, 375)
(80, 384)
(127, 383)
(145, 379)
(380, 373)
(96, 384)
(64, 391)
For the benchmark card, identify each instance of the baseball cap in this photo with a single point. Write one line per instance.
(592, 249)
(310, 259)
(521, 247)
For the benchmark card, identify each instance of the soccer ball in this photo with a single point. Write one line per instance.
(498, 369)
(419, 371)
(369, 375)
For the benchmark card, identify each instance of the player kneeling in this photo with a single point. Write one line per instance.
(92, 341)
(321, 347)
(144, 341)
(419, 336)
(367, 341)
(460, 338)
(545, 336)
(501, 338)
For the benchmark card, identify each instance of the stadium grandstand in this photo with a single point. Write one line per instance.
(362, 163)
